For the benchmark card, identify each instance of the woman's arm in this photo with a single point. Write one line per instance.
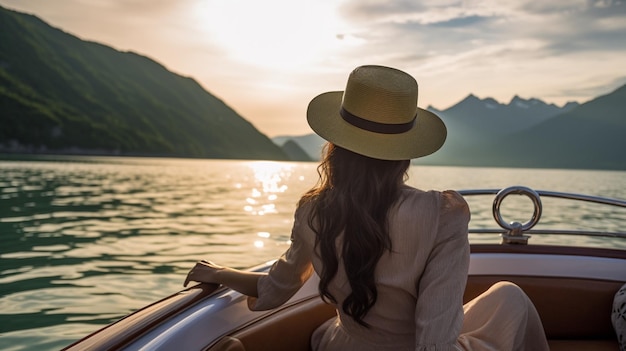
(209, 272)
(439, 308)
(267, 290)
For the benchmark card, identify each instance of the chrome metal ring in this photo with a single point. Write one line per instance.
(519, 190)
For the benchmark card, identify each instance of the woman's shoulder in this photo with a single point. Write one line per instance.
(445, 200)
(451, 199)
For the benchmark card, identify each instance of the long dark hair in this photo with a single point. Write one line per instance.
(353, 197)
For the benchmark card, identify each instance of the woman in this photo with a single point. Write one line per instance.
(391, 258)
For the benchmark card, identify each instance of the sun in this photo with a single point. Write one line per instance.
(271, 33)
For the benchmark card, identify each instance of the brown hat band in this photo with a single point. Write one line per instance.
(376, 127)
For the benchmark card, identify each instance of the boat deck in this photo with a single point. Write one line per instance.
(575, 311)
(571, 287)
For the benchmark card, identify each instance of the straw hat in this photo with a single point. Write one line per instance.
(377, 116)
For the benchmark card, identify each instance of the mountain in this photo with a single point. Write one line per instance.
(493, 116)
(475, 122)
(588, 136)
(311, 143)
(469, 122)
(60, 94)
(592, 135)
(525, 133)
(295, 152)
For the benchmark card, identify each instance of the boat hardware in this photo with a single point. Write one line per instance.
(515, 230)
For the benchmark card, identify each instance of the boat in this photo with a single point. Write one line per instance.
(572, 288)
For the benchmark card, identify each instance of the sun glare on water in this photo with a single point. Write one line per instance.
(271, 33)
(269, 179)
(271, 176)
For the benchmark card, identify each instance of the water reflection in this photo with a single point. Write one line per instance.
(90, 242)
(86, 240)
(269, 180)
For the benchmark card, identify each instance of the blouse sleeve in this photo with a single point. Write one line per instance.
(439, 308)
(288, 273)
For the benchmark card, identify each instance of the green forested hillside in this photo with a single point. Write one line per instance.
(61, 94)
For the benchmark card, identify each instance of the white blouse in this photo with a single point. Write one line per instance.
(420, 282)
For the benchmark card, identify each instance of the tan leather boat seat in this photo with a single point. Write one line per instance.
(575, 315)
(288, 329)
(579, 319)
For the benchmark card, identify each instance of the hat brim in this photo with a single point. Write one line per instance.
(427, 135)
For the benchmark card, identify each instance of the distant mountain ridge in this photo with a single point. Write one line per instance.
(592, 135)
(60, 94)
(525, 133)
(311, 144)
(493, 116)
(295, 152)
(470, 118)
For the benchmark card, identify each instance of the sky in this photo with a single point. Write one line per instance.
(268, 58)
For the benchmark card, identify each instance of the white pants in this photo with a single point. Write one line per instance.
(502, 319)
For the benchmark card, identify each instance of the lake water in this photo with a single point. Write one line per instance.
(86, 240)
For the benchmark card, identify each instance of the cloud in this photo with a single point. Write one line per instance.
(562, 27)
(570, 27)
(373, 11)
(468, 21)
(558, 49)
(142, 8)
(594, 89)
(585, 8)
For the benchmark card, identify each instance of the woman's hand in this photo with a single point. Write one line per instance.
(204, 272)
(209, 272)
